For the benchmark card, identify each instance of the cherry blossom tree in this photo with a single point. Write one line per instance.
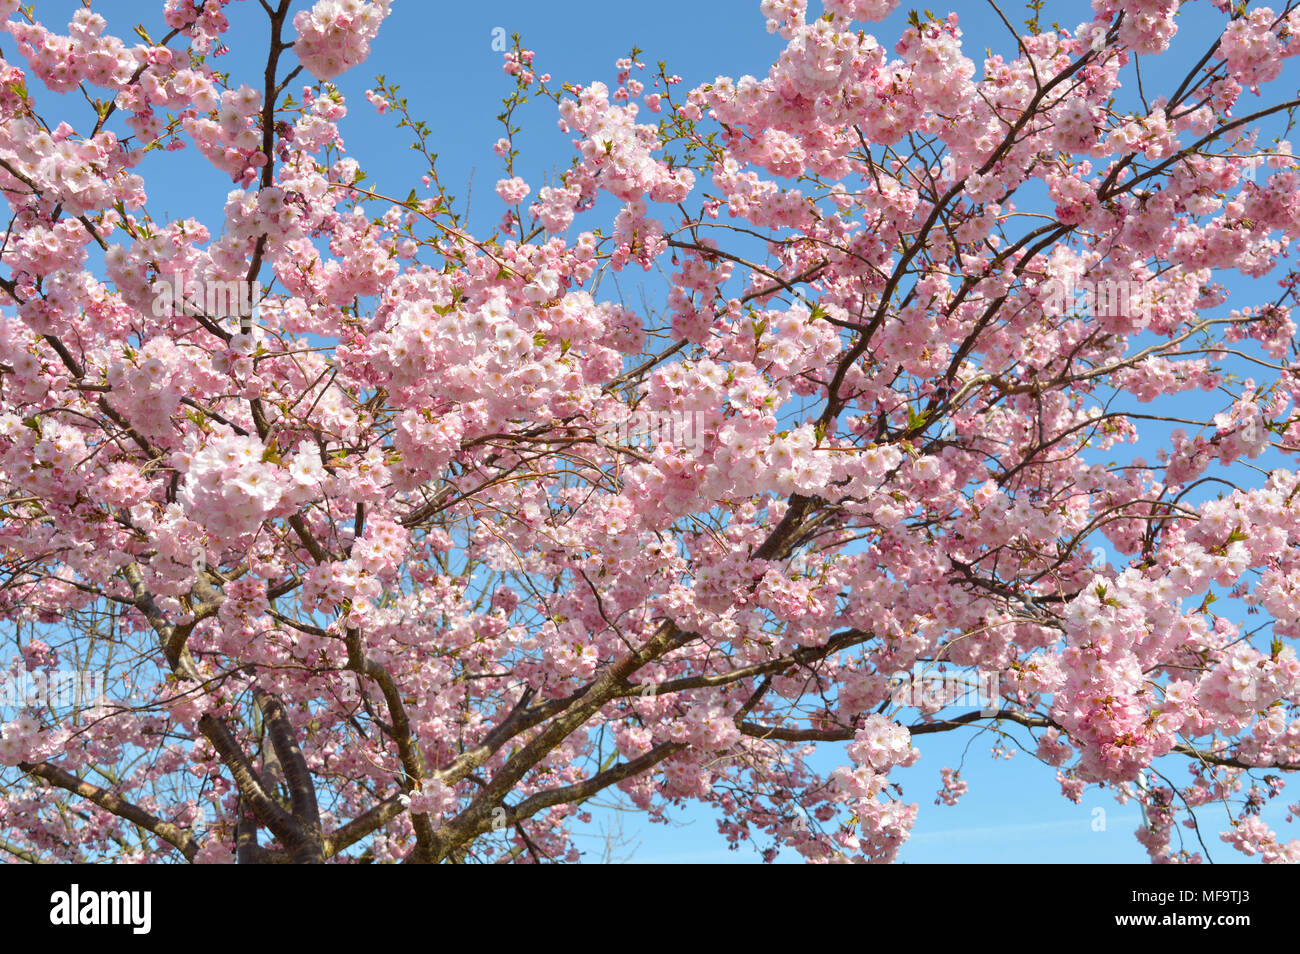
(390, 541)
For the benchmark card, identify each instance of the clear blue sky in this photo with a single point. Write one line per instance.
(441, 54)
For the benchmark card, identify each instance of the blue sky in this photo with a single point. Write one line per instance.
(441, 54)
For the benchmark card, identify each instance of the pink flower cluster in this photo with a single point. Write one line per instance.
(229, 487)
(19, 740)
(335, 35)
